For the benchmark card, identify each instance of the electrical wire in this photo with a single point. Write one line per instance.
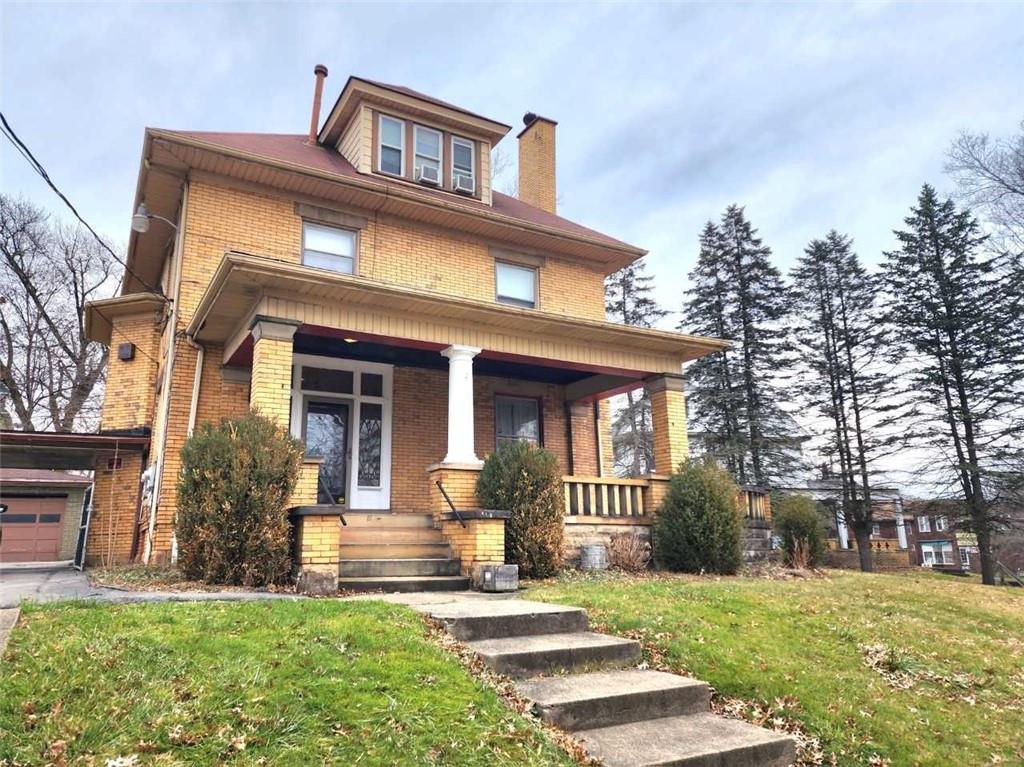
(37, 166)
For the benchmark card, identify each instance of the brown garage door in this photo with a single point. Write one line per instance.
(31, 528)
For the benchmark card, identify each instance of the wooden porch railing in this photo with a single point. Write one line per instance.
(609, 497)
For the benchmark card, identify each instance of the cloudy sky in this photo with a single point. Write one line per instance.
(812, 116)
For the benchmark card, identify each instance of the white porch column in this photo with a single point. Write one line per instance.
(460, 405)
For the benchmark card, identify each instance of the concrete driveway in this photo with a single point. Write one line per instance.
(42, 585)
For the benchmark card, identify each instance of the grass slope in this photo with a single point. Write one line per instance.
(282, 683)
(808, 643)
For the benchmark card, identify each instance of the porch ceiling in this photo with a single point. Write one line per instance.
(247, 286)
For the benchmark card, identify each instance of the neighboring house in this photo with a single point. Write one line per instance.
(41, 515)
(934, 539)
(365, 286)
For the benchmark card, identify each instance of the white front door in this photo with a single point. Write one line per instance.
(341, 409)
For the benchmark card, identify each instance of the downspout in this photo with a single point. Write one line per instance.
(179, 240)
(192, 411)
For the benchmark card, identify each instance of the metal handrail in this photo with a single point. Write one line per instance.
(450, 504)
(331, 498)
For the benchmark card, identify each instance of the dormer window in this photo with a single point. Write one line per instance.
(463, 166)
(427, 160)
(392, 146)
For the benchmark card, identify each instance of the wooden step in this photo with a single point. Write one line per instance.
(395, 551)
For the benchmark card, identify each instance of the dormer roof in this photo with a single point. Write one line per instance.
(407, 101)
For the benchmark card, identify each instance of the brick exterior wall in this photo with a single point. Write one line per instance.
(223, 216)
(131, 384)
(115, 495)
(481, 540)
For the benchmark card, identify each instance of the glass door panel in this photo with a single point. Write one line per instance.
(327, 438)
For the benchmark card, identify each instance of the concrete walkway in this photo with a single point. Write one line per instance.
(53, 584)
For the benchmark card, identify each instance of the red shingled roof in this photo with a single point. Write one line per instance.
(296, 149)
(424, 97)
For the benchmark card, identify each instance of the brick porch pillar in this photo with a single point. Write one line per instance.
(668, 414)
(271, 389)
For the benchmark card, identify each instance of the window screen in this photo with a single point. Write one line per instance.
(326, 247)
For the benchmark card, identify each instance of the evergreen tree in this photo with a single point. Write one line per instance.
(628, 300)
(956, 311)
(841, 345)
(739, 295)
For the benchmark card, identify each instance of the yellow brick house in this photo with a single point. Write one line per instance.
(367, 288)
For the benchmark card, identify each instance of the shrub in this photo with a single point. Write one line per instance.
(524, 480)
(232, 526)
(629, 552)
(796, 521)
(699, 525)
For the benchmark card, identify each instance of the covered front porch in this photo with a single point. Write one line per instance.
(399, 395)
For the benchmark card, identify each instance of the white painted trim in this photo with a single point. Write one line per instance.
(359, 497)
(440, 151)
(380, 144)
(472, 159)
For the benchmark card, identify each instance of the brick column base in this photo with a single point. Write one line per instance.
(482, 540)
(655, 492)
(317, 541)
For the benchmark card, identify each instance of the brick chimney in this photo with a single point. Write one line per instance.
(537, 162)
(320, 72)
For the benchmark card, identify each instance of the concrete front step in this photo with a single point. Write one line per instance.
(391, 535)
(544, 653)
(607, 698)
(388, 519)
(395, 551)
(495, 619)
(694, 740)
(404, 584)
(382, 568)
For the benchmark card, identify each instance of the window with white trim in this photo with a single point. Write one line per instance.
(924, 524)
(936, 553)
(941, 523)
(463, 164)
(427, 144)
(876, 530)
(515, 284)
(327, 247)
(965, 558)
(391, 158)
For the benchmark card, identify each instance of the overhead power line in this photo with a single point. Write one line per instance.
(37, 166)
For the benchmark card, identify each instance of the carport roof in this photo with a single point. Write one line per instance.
(41, 477)
(62, 450)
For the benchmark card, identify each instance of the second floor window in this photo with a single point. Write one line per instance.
(516, 285)
(924, 524)
(941, 523)
(392, 146)
(463, 170)
(327, 247)
(427, 160)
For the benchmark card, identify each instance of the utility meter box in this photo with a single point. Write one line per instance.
(496, 578)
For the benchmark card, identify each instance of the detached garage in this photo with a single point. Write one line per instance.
(41, 515)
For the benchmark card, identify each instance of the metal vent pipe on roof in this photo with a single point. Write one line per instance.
(314, 121)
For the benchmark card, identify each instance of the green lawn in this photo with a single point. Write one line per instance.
(946, 680)
(276, 683)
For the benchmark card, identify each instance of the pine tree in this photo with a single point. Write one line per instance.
(739, 295)
(841, 345)
(956, 311)
(628, 300)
